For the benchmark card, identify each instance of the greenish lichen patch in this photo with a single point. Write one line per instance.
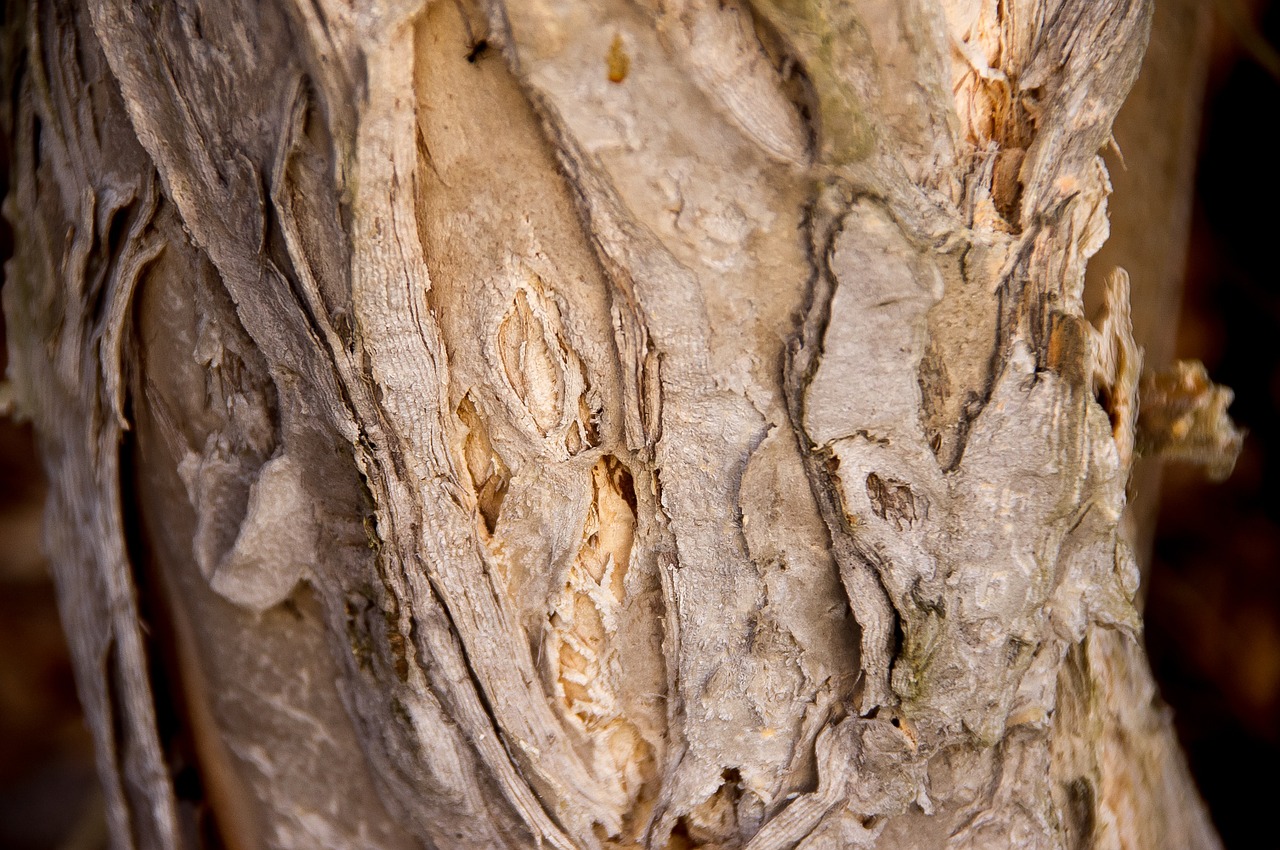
(826, 37)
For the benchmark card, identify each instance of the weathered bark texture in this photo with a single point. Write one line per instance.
(587, 424)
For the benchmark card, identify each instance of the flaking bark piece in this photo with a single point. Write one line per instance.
(1184, 418)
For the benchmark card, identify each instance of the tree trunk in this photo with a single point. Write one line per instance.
(662, 424)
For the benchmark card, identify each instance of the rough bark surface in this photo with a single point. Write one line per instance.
(661, 423)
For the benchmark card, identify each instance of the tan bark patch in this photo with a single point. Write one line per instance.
(489, 474)
(583, 624)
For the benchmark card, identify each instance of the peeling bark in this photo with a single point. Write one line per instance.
(660, 424)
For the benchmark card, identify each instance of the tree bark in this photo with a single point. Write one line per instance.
(659, 424)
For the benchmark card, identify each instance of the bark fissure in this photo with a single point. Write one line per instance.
(873, 610)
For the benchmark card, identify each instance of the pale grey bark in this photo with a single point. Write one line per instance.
(592, 424)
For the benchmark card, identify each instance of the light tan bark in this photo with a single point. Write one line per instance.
(591, 424)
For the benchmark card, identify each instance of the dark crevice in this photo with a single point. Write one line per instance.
(1081, 817)
(115, 704)
(115, 230)
(1010, 313)
(335, 320)
(804, 353)
(679, 838)
(478, 49)
(396, 643)
(793, 77)
(278, 260)
(622, 478)
(899, 636)
(174, 727)
(108, 246)
(121, 742)
(37, 143)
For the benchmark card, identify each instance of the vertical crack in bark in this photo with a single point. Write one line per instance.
(873, 611)
(283, 239)
(207, 807)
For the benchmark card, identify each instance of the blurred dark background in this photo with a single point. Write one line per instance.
(1213, 595)
(48, 795)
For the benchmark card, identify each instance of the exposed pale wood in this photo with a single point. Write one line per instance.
(592, 424)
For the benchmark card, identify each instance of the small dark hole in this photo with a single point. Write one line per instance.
(477, 50)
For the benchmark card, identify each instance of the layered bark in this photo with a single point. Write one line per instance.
(626, 424)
